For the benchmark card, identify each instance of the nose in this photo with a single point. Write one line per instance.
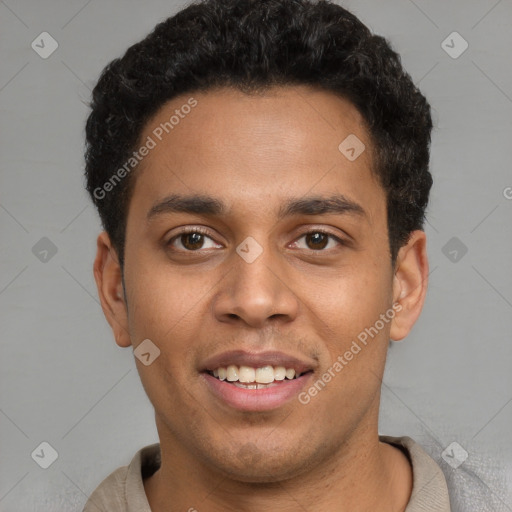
(256, 293)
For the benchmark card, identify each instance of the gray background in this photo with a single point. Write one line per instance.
(63, 379)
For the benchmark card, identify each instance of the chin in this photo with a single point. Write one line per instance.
(262, 465)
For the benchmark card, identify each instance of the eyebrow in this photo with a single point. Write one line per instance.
(337, 204)
(206, 205)
(202, 205)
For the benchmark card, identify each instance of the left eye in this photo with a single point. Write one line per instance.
(192, 241)
(318, 240)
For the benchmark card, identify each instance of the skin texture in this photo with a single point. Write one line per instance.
(255, 152)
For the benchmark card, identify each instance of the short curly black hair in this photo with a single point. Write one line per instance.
(252, 45)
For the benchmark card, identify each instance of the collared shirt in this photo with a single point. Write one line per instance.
(123, 490)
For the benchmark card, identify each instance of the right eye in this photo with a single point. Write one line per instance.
(192, 240)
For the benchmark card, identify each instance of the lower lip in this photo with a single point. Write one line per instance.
(264, 399)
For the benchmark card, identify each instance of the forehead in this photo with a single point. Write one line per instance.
(255, 149)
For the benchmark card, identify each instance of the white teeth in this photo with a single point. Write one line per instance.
(279, 373)
(265, 375)
(232, 373)
(247, 375)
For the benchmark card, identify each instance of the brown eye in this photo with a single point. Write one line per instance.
(192, 241)
(317, 240)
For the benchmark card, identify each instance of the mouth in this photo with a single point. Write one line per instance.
(256, 382)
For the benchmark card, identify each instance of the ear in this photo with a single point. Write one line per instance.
(409, 284)
(108, 276)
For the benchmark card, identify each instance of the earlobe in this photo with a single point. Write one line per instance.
(409, 284)
(108, 277)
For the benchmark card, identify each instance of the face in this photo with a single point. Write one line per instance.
(255, 249)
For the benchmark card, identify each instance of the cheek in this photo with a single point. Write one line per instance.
(350, 302)
(163, 301)
(350, 380)
(164, 308)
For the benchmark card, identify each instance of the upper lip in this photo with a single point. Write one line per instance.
(257, 360)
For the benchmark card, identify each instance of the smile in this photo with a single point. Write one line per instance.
(256, 382)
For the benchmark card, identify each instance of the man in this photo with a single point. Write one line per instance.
(261, 172)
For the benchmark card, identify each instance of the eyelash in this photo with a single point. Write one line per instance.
(205, 232)
(339, 240)
(188, 231)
